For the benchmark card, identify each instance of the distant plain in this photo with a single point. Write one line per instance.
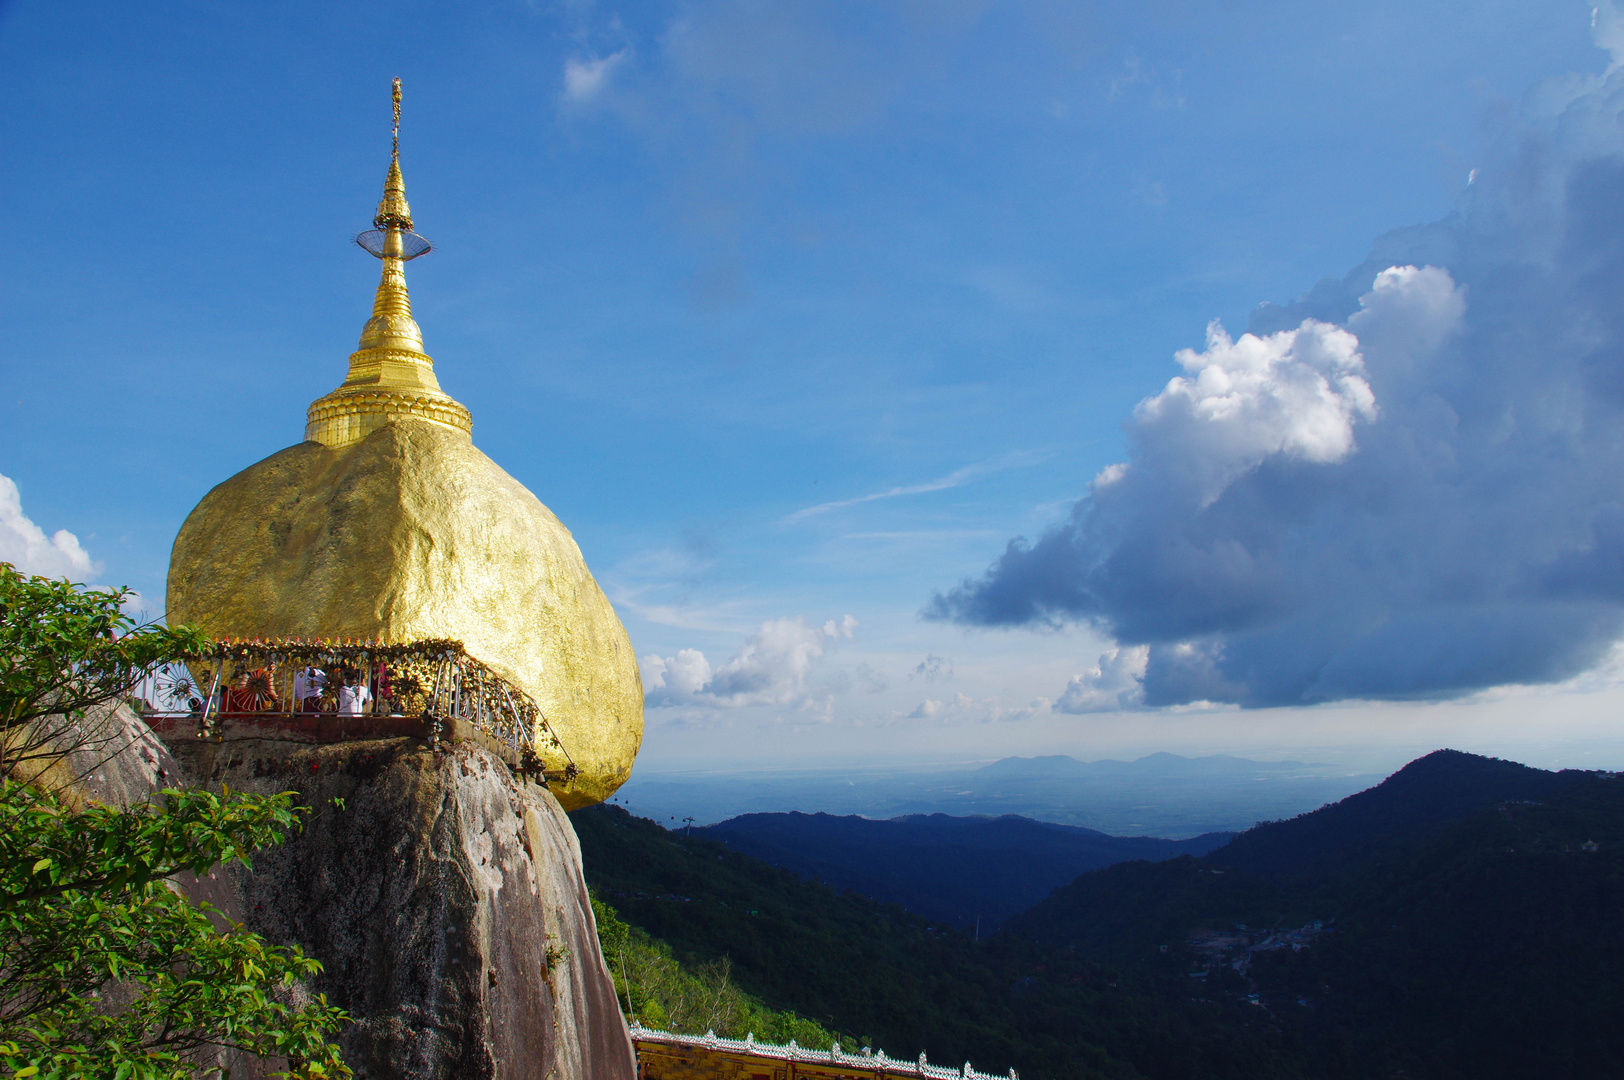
(1161, 795)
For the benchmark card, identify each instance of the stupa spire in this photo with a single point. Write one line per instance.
(390, 375)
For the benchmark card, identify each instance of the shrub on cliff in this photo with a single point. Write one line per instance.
(106, 969)
(658, 991)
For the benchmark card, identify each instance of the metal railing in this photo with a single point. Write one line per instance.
(301, 679)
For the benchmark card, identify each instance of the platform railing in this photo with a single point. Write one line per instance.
(649, 1042)
(296, 682)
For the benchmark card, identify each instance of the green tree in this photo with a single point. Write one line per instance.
(106, 969)
(659, 991)
(65, 651)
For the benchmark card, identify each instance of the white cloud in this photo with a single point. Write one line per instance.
(1295, 393)
(682, 676)
(932, 709)
(841, 631)
(25, 546)
(1607, 24)
(1115, 684)
(772, 667)
(586, 78)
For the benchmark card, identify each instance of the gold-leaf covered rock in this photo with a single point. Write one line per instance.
(387, 524)
(413, 533)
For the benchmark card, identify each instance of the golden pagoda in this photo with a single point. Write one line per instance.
(387, 524)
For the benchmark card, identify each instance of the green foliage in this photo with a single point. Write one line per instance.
(110, 972)
(65, 648)
(906, 984)
(658, 991)
(106, 969)
(1485, 947)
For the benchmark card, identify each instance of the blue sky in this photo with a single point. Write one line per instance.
(797, 314)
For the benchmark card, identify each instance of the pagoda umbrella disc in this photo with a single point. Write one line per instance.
(261, 694)
(176, 688)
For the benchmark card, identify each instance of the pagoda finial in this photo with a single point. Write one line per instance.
(389, 369)
(393, 213)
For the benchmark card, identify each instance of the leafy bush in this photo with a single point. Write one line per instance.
(659, 992)
(106, 969)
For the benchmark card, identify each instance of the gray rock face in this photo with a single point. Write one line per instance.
(443, 897)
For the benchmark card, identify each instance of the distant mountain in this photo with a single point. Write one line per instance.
(1465, 918)
(1444, 786)
(899, 982)
(1162, 795)
(962, 870)
(1131, 907)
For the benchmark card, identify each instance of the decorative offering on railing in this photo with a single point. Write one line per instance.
(303, 679)
(662, 1055)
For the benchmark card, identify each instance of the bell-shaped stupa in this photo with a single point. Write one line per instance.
(386, 524)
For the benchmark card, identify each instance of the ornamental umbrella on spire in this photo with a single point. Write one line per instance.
(390, 375)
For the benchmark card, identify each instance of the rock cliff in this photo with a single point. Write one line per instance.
(443, 897)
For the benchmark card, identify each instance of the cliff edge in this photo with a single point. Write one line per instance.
(443, 897)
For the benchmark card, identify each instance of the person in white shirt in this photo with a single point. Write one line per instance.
(307, 687)
(354, 697)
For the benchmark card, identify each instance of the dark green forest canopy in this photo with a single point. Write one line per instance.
(904, 984)
(1473, 915)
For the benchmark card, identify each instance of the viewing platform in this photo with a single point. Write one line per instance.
(319, 691)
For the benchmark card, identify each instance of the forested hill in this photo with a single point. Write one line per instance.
(892, 980)
(1129, 908)
(1464, 919)
(1444, 786)
(969, 871)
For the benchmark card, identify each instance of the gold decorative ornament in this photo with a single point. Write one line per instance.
(388, 525)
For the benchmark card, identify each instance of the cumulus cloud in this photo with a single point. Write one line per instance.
(1115, 684)
(932, 709)
(772, 667)
(25, 545)
(1295, 394)
(586, 77)
(1408, 483)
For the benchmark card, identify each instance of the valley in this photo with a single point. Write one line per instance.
(1460, 919)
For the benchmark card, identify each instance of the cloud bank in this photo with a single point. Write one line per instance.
(1407, 484)
(25, 545)
(772, 667)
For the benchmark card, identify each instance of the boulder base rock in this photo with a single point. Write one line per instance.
(445, 901)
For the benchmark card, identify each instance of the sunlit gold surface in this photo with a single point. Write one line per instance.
(390, 376)
(388, 524)
(413, 533)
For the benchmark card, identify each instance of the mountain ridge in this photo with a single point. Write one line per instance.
(1459, 920)
(967, 870)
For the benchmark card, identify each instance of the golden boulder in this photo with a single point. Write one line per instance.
(387, 524)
